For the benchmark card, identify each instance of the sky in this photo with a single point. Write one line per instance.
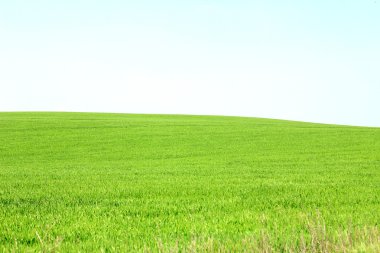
(315, 61)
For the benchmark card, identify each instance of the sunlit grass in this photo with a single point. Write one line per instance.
(118, 182)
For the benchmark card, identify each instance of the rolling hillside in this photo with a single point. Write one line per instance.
(121, 182)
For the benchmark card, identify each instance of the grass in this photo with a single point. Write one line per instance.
(89, 182)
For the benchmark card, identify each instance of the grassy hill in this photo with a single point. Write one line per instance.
(120, 182)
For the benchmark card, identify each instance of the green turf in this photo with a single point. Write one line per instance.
(121, 182)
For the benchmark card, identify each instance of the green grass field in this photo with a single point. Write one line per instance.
(90, 182)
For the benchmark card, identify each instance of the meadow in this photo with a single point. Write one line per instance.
(92, 182)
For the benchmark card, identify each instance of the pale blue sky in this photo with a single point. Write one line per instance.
(315, 61)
